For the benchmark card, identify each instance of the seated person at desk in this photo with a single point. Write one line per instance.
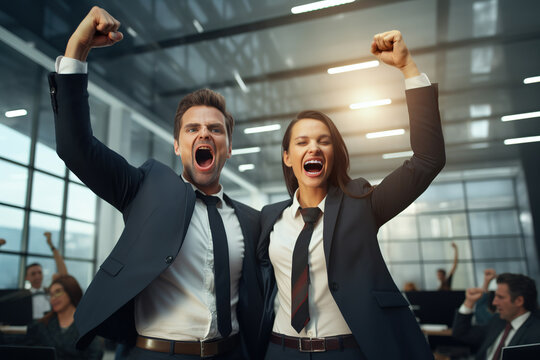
(56, 329)
(517, 323)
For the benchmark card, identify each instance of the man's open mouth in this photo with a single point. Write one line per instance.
(204, 156)
(313, 167)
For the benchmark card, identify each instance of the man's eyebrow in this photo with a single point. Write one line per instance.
(216, 124)
(191, 124)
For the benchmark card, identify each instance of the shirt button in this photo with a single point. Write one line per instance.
(334, 286)
(310, 334)
(169, 259)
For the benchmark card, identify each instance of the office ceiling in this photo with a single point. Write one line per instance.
(478, 51)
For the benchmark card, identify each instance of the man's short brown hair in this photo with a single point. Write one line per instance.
(203, 97)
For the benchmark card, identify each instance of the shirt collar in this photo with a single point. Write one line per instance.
(295, 206)
(517, 322)
(219, 194)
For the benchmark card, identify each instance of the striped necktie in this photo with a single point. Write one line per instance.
(300, 270)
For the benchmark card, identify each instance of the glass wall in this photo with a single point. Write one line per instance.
(480, 216)
(37, 192)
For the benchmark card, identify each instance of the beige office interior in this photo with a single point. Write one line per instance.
(270, 63)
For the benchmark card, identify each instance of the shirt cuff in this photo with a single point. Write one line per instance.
(65, 65)
(464, 310)
(417, 81)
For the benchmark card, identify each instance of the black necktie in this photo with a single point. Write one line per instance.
(221, 264)
(300, 270)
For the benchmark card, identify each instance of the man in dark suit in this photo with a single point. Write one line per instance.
(517, 323)
(163, 287)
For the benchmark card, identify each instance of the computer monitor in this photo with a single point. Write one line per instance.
(15, 307)
(435, 307)
(521, 352)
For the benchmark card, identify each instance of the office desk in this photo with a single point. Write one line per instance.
(13, 330)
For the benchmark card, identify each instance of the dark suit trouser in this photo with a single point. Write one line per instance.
(278, 352)
(142, 354)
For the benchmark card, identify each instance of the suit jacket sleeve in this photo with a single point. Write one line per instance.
(400, 188)
(104, 171)
(464, 331)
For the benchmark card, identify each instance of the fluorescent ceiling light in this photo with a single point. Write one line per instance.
(246, 150)
(318, 5)
(240, 82)
(522, 140)
(245, 167)
(15, 113)
(132, 32)
(379, 134)
(397, 155)
(198, 26)
(479, 110)
(259, 129)
(531, 80)
(353, 67)
(366, 104)
(521, 116)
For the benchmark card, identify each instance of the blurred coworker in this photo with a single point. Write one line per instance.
(484, 311)
(40, 300)
(446, 280)
(34, 275)
(517, 323)
(61, 268)
(56, 329)
(410, 286)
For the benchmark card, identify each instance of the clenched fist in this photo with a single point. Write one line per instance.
(390, 48)
(97, 29)
(472, 295)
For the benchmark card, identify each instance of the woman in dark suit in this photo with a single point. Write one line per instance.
(328, 292)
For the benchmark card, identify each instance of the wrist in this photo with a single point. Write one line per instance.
(75, 50)
(410, 70)
(469, 304)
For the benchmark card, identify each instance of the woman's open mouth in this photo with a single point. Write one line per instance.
(204, 157)
(313, 168)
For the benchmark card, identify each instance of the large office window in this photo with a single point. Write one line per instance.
(480, 216)
(37, 193)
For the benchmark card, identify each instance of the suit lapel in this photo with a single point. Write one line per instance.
(188, 207)
(238, 213)
(268, 222)
(244, 226)
(331, 211)
(516, 339)
(493, 332)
